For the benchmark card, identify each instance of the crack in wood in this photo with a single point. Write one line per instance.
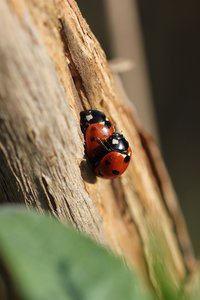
(78, 82)
(73, 219)
(47, 200)
(9, 189)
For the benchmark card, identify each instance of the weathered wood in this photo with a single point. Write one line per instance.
(52, 67)
(39, 135)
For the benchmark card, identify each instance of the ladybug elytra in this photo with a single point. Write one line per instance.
(116, 160)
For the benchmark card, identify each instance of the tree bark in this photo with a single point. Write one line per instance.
(51, 68)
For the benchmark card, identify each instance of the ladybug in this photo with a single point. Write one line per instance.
(96, 128)
(115, 157)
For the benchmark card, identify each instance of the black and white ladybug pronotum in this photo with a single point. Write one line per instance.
(94, 116)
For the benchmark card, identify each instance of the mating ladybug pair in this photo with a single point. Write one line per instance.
(107, 150)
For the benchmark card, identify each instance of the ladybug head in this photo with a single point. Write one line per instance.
(92, 116)
(117, 142)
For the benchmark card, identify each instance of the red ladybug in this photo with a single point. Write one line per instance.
(115, 157)
(96, 128)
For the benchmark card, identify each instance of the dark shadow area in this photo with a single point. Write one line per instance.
(8, 286)
(10, 190)
(171, 32)
(87, 171)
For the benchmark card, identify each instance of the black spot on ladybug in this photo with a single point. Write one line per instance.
(127, 159)
(93, 128)
(107, 162)
(92, 139)
(115, 172)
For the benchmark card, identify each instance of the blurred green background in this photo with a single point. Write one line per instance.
(162, 39)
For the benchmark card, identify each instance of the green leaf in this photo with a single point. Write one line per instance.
(47, 260)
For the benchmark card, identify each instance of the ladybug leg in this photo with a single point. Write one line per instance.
(95, 161)
(97, 158)
(83, 122)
